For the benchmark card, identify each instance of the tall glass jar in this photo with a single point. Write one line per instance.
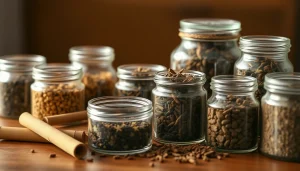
(207, 45)
(280, 137)
(16, 78)
(99, 76)
(179, 101)
(120, 125)
(57, 89)
(261, 55)
(232, 116)
(137, 79)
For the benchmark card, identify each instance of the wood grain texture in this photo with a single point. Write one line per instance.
(17, 156)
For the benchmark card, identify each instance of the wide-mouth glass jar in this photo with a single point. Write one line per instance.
(179, 101)
(232, 114)
(57, 89)
(137, 79)
(280, 137)
(16, 78)
(120, 125)
(99, 76)
(207, 45)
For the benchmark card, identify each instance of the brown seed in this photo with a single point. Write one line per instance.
(219, 157)
(52, 155)
(205, 158)
(165, 155)
(32, 151)
(89, 159)
(151, 164)
(116, 157)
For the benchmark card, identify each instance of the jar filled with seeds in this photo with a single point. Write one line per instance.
(57, 89)
(137, 79)
(262, 55)
(16, 78)
(179, 101)
(232, 114)
(280, 137)
(207, 45)
(99, 76)
(120, 125)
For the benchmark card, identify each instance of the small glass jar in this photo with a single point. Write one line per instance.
(57, 89)
(261, 55)
(120, 125)
(179, 101)
(280, 137)
(137, 79)
(208, 45)
(99, 76)
(16, 78)
(232, 116)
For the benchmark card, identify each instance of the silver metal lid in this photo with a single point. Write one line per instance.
(21, 62)
(283, 82)
(131, 71)
(91, 53)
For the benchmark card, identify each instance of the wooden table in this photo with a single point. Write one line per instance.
(17, 156)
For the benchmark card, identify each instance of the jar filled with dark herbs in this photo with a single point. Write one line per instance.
(179, 101)
(261, 55)
(232, 114)
(137, 79)
(207, 45)
(120, 125)
(16, 78)
(280, 137)
(99, 76)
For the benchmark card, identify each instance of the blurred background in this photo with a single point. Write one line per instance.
(140, 31)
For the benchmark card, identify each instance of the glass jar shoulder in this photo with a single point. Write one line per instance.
(179, 91)
(232, 100)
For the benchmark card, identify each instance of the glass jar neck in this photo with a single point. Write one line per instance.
(246, 56)
(23, 63)
(283, 83)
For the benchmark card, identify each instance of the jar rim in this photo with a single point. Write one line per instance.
(56, 72)
(21, 62)
(283, 82)
(91, 53)
(129, 71)
(120, 107)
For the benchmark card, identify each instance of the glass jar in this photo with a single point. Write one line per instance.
(207, 45)
(232, 116)
(137, 79)
(179, 101)
(16, 78)
(99, 76)
(262, 55)
(280, 137)
(120, 125)
(57, 89)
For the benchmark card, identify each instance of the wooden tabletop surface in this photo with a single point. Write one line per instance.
(17, 156)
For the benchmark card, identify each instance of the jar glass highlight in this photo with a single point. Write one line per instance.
(57, 89)
(16, 78)
(120, 125)
(232, 116)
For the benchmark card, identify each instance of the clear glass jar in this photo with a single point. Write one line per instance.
(16, 78)
(57, 89)
(261, 55)
(179, 101)
(137, 79)
(209, 46)
(120, 125)
(232, 116)
(99, 76)
(280, 137)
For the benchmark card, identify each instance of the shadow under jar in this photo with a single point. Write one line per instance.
(120, 125)
(232, 116)
(179, 101)
(207, 45)
(16, 78)
(280, 137)
(137, 79)
(57, 89)
(99, 76)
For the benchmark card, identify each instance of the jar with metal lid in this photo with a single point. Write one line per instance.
(57, 89)
(120, 125)
(207, 45)
(99, 76)
(262, 54)
(137, 79)
(179, 102)
(232, 115)
(280, 137)
(16, 78)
